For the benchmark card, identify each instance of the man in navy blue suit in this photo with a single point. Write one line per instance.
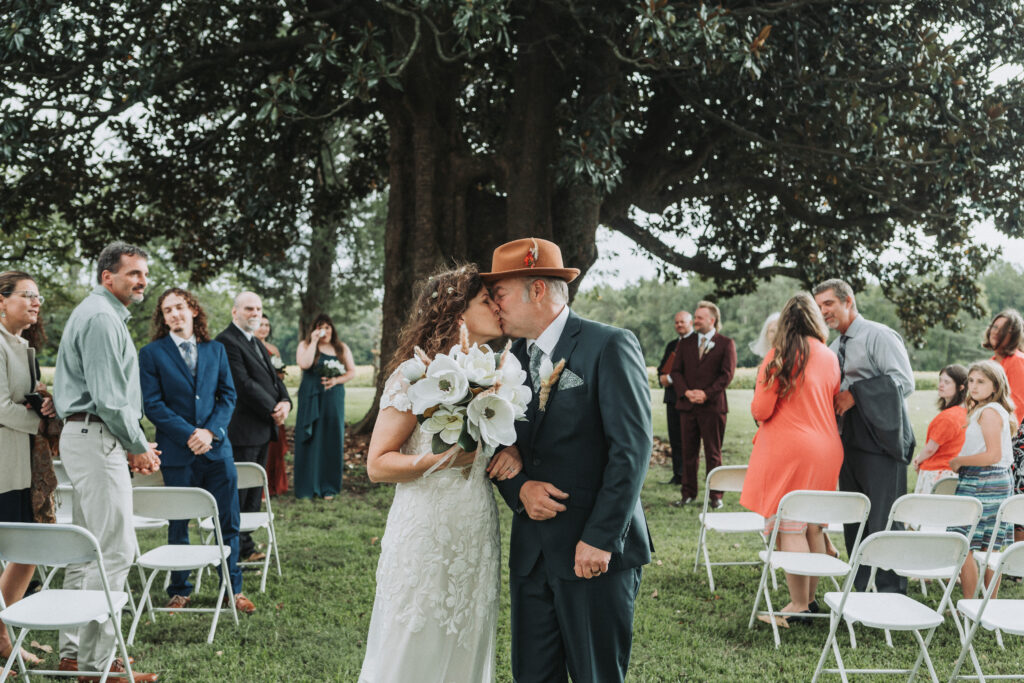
(188, 394)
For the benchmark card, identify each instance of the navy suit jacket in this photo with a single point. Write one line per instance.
(178, 403)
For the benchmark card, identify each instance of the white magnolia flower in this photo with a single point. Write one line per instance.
(445, 384)
(545, 369)
(413, 369)
(492, 419)
(518, 395)
(512, 373)
(478, 365)
(445, 422)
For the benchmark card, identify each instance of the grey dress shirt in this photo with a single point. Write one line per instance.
(873, 349)
(98, 369)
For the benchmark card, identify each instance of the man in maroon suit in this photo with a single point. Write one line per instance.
(704, 365)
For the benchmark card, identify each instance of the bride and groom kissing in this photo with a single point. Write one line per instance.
(572, 479)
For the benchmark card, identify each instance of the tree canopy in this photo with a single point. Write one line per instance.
(737, 141)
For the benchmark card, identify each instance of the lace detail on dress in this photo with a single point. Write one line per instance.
(396, 393)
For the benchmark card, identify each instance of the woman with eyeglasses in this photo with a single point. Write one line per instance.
(21, 333)
(1005, 337)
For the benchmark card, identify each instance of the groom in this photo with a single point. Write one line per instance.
(579, 536)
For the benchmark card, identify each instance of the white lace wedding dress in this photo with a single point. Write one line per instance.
(435, 612)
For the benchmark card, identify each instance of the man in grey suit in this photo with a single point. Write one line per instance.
(579, 536)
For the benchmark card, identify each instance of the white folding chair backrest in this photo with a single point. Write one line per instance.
(924, 551)
(945, 486)
(932, 511)
(47, 544)
(250, 475)
(824, 507)
(172, 502)
(1012, 561)
(1011, 511)
(724, 478)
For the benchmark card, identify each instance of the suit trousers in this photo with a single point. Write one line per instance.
(97, 466)
(582, 629)
(220, 478)
(249, 500)
(675, 439)
(697, 427)
(882, 480)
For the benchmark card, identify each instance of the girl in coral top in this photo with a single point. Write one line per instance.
(1005, 337)
(797, 445)
(945, 432)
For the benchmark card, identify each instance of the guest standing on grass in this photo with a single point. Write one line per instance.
(945, 432)
(871, 411)
(320, 423)
(984, 462)
(277, 472)
(21, 333)
(1005, 336)
(797, 445)
(263, 403)
(683, 323)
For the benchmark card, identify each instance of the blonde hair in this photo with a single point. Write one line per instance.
(994, 373)
(710, 305)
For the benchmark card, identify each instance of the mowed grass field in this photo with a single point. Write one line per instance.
(311, 623)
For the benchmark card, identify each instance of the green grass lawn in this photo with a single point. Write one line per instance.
(311, 624)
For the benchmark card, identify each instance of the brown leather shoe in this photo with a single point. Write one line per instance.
(67, 664)
(118, 667)
(242, 604)
(178, 601)
(256, 556)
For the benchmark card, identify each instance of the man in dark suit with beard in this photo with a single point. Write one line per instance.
(263, 401)
(704, 365)
(684, 328)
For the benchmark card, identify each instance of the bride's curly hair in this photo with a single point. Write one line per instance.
(433, 323)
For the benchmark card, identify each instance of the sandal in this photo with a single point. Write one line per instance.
(779, 620)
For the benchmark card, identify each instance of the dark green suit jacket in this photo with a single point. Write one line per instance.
(593, 441)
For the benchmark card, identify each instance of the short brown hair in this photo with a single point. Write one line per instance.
(199, 326)
(1011, 337)
(34, 333)
(710, 305)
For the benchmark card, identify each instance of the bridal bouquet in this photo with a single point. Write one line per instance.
(471, 396)
(332, 368)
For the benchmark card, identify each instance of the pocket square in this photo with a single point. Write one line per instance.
(569, 379)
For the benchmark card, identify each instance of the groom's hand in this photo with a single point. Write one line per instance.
(539, 499)
(591, 561)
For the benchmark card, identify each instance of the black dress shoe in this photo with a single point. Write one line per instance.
(674, 481)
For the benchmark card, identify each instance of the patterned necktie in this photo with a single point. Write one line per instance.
(842, 356)
(703, 347)
(186, 354)
(536, 355)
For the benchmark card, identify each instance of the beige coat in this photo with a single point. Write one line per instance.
(16, 422)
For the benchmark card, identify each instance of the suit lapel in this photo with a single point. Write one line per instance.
(563, 350)
(172, 350)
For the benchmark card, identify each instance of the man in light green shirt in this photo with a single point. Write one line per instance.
(97, 394)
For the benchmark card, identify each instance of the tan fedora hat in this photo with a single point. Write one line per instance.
(527, 257)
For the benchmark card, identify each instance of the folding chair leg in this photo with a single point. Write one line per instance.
(999, 639)
(700, 546)
(888, 638)
(266, 568)
(145, 597)
(707, 564)
(15, 656)
(129, 676)
(771, 619)
(839, 660)
(967, 646)
(832, 626)
(853, 636)
(927, 660)
(757, 596)
(277, 552)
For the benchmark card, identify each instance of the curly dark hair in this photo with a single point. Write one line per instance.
(199, 325)
(800, 319)
(1012, 335)
(433, 323)
(35, 334)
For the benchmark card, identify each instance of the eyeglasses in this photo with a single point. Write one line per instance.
(31, 296)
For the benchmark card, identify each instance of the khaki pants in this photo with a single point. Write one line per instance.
(96, 464)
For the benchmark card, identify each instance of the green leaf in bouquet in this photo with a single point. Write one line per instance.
(437, 444)
(466, 442)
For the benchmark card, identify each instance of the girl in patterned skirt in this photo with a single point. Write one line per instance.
(984, 461)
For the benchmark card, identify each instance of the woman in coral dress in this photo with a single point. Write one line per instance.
(797, 445)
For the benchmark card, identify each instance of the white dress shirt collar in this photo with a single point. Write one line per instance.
(551, 334)
(248, 335)
(179, 340)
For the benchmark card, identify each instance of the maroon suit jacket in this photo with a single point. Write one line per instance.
(712, 373)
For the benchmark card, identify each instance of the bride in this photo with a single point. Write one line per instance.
(435, 612)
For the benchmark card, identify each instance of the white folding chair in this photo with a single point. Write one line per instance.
(945, 486)
(252, 475)
(895, 550)
(55, 610)
(1011, 511)
(992, 614)
(167, 503)
(813, 507)
(727, 478)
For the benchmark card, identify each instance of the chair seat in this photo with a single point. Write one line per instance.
(181, 557)
(732, 522)
(1005, 615)
(891, 611)
(51, 609)
(249, 522)
(944, 573)
(807, 564)
(140, 522)
(993, 562)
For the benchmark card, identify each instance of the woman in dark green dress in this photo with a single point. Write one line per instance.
(326, 365)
